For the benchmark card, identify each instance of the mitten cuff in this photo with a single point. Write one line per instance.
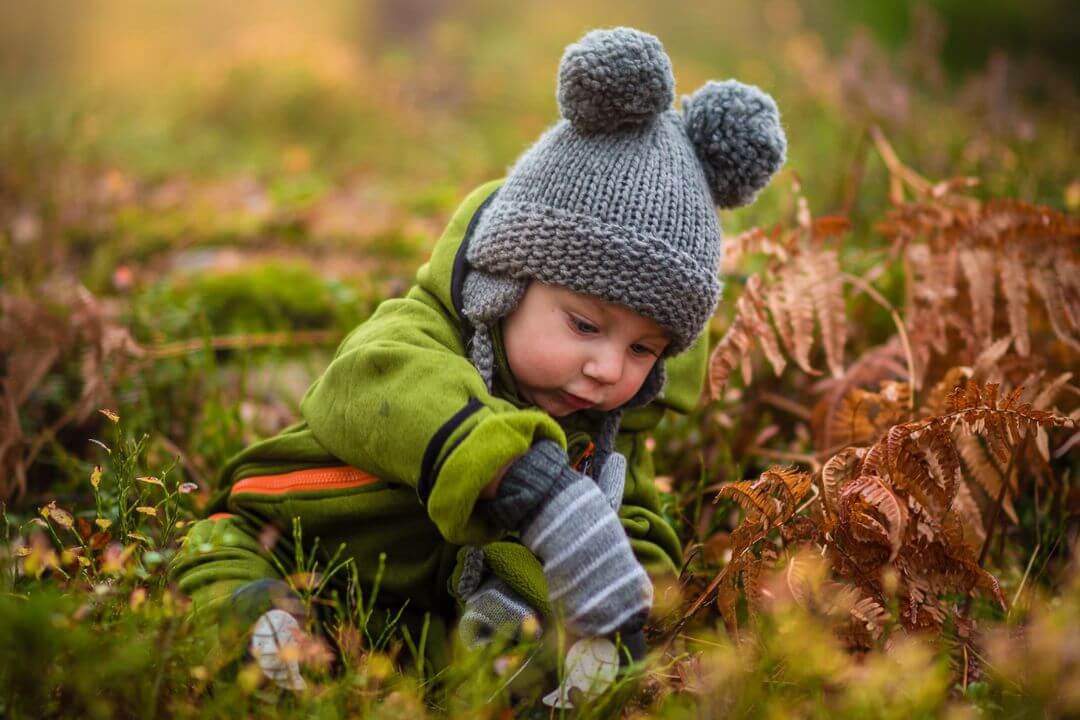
(540, 473)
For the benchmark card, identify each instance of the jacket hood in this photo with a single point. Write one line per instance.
(444, 277)
(444, 274)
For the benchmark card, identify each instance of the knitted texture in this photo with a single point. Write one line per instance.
(472, 571)
(566, 520)
(617, 199)
(612, 479)
(487, 298)
(494, 610)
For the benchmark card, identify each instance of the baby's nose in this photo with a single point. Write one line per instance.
(605, 366)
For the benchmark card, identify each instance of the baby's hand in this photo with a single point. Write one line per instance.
(566, 521)
(495, 610)
(612, 480)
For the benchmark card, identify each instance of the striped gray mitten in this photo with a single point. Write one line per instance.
(612, 479)
(566, 521)
(494, 610)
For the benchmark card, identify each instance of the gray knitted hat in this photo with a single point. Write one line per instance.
(617, 200)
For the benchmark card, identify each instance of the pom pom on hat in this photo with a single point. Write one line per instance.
(736, 133)
(614, 78)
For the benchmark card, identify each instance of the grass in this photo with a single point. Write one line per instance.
(239, 211)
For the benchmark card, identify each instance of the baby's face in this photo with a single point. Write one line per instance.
(570, 352)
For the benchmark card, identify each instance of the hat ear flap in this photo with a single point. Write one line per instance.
(650, 389)
(736, 133)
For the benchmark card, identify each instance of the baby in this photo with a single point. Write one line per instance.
(487, 431)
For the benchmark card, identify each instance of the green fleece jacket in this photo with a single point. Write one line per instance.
(401, 401)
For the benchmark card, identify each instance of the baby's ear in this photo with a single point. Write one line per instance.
(736, 133)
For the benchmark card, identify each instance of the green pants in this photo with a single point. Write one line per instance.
(342, 508)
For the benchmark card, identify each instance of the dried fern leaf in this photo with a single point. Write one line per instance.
(795, 484)
(1045, 281)
(862, 416)
(792, 309)
(1045, 399)
(942, 459)
(836, 473)
(732, 348)
(970, 516)
(982, 470)
(908, 470)
(1067, 267)
(1015, 288)
(890, 521)
(752, 496)
(978, 266)
(870, 613)
(933, 289)
(759, 325)
(987, 366)
(934, 401)
(749, 324)
(827, 292)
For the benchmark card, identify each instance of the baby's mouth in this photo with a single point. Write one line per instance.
(578, 403)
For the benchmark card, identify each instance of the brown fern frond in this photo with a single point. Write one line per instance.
(967, 510)
(827, 292)
(749, 324)
(987, 365)
(984, 472)
(934, 402)
(829, 226)
(909, 469)
(754, 241)
(1014, 287)
(759, 324)
(774, 496)
(942, 458)
(885, 362)
(862, 416)
(795, 483)
(978, 267)
(1046, 397)
(1057, 310)
(1067, 267)
(837, 472)
(872, 513)
(792, 308)
(871, 615)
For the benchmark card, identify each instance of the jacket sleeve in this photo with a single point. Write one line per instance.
(402, 401)
(652, 536)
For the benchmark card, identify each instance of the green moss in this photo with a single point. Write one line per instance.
(264, 297)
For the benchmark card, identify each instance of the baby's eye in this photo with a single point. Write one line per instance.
(639, 349)
(583, 327)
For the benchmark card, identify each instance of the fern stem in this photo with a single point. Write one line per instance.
(897, 320)
(783, 403)
(1001, 497)
(897, 169)
(785, 455)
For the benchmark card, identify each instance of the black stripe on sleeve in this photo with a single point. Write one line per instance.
(428, 469)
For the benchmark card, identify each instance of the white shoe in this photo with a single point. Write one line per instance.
(275, 644)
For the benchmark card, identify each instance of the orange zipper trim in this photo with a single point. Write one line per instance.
(333, 478)
(585, 455)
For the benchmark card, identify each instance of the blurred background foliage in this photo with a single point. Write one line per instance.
(233, 186)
